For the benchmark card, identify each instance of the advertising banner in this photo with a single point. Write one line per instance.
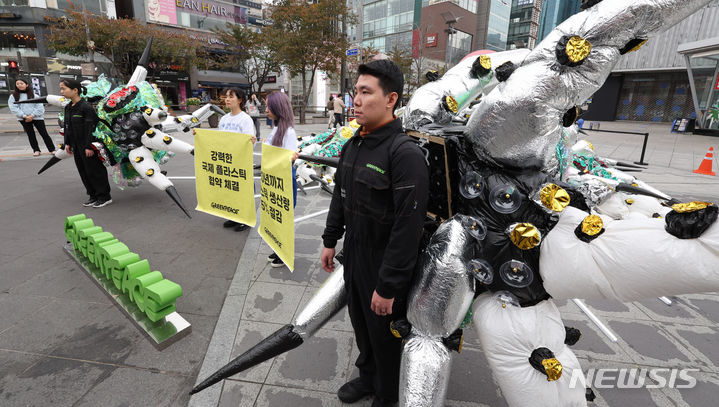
(277, 215)
(223, 175)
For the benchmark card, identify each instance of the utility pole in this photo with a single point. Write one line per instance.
(90, 44)
(343, 68)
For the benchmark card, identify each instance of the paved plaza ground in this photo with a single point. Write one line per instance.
(62, 342)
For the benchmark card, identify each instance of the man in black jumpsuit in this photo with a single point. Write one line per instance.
(80, 122)
(380, 200)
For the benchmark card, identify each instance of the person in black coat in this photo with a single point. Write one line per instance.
(379, 204)
(80, 122)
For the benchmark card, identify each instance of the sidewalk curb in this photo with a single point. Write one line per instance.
(223, 338)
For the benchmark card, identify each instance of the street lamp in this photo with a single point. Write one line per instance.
(450, 19)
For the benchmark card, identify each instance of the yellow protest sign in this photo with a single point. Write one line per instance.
(277, 217)
(223, 175)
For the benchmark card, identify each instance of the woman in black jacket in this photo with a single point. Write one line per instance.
(80, 122)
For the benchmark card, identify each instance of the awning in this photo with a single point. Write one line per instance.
(223, 84)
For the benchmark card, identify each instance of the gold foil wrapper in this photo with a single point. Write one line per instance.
(485, 62)
(553, 369)
(554, 197)
(592, 225)
(451, 104)
(691, 206)
(578, 49)
(395, 333)
(641, 44)
(525, 236)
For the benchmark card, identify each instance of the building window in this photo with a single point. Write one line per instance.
(12, 38)
(460, 44)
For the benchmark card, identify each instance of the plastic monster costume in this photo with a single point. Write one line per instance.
(134, 132)
(527, 228)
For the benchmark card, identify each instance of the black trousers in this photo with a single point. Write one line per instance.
(93, 174)
(339, 120)
(380, 352)
(40, 125)
(256, 121)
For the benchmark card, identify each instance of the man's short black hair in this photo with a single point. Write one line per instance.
(389, 75)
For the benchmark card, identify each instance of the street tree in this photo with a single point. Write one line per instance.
(307, 37)
(122, 41)
(403, 58)
(248, 53)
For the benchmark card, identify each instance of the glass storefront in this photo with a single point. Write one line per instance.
(460, 44)
(655, 97)
(702, 62)
(17, 38)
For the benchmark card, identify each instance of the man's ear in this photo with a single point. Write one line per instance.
(393, 96)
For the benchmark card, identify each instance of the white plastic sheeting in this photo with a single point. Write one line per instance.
(509, 335)
(633, 259)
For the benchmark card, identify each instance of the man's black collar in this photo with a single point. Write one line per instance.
(375, 138)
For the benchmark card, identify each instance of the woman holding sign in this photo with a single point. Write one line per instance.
(279, 110)
(239, 122)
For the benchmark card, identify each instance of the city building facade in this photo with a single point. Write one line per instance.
(653, 83)
(553, 13)
(492, 24)
(24, 29)
(524, 23)
(443, 44)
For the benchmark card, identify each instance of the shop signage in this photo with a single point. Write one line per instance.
(716, 84)
(271, 79)
(257, 21)
(431, 40)
(161, 11)
(144, 295)
(250, 4)
(10, 16)
(214, 9)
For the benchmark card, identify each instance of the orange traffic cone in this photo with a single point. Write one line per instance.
(706, 166)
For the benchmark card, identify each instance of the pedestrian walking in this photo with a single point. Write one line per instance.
(330, 108)
(240, 122)
(29, 115)
(379, 204)
(338, 108)
(279, 109)
(80, 122)
(253, 109)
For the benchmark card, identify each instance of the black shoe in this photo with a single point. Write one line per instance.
(240, 227)
(354, 390)
(89, 202)
(277, 263)
(100, 203)
(378, 402)
(272, 257)
(229, 224)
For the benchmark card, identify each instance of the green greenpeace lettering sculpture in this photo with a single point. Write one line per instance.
(115, 263)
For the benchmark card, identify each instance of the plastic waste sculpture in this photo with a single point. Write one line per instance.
(134, 132)
(527, 228)
(323, 145)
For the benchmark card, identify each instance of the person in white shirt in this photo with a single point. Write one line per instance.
(279, 109)
(239, 122)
